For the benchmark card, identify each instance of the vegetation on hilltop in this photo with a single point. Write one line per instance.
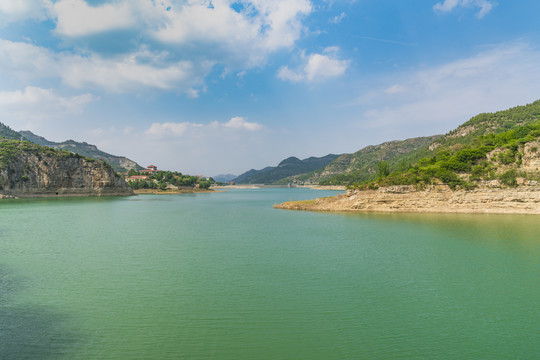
(163, 180)
(466, 136)
(286, 168)
(119, 163)
(493, 156)
(10, 149)
(7, 133)
(362, 165)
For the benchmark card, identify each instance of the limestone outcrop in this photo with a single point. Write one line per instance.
(488, 198)
(31, 171)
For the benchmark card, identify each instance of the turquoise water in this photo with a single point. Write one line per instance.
(226, 276)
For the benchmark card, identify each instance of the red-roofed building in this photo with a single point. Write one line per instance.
(150, 169)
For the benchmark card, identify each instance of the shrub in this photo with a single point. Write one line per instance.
(507, 157)
(508, 178)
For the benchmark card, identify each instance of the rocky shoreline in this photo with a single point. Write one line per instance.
(524, 199)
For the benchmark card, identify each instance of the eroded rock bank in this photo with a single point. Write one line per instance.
(31, 172)
(493, 199)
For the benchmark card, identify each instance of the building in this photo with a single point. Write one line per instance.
(150, 169)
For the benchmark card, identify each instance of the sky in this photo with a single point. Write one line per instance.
(223, 86)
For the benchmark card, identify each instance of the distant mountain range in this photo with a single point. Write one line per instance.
(224, 178)
(398, 156)
(288, 167)
(119, 163)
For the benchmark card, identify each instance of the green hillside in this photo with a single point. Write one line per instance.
(7, 133)
(362, 165)
(119, 163)
(286, 168)
(499, 146)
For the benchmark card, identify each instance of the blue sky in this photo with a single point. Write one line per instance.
(222, 86)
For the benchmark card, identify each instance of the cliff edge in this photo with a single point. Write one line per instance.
(29, 170)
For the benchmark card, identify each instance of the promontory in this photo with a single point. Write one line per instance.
(30, 170)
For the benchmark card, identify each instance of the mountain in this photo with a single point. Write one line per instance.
(286, 168)
(7, 133)
(119, 163)
(224, 178)
(399, 155)
(31, 170)
(361, 165)
(500, 149)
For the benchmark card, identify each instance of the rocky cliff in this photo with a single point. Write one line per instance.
(29, 170)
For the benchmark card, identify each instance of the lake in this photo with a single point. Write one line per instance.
(226, 276)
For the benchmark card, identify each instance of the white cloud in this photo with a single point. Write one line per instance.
(337, 19)
(485, 6)
(170, 129)
(77, 18)
(316, 67)
(27, 108)
(168, 44)
(220, 33)
(241, 123)
(15, 10)
(444, 96)
(123, 73)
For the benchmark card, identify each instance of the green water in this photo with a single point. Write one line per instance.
(226, 276)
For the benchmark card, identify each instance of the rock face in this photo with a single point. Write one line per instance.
(524, 199)
(32, 172)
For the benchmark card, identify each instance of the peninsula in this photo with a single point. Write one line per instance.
(490, 164)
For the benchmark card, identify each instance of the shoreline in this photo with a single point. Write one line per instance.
(170, 192)
(262, 186)
(434, 199)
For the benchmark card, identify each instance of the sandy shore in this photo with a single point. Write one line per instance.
(440, 199)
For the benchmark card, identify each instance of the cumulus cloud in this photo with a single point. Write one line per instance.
(236, 33)
(485, 6)
(171, 129)
(128, 45)
(447, 95)
(122, 73)
(241, 123)
(77, 18)
(316, 67)
(26, 108)
(15, 10)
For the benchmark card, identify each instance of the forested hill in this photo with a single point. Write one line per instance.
(362, 165)
(288, 167)
(119, 163)
(7, 133)
(496, 149)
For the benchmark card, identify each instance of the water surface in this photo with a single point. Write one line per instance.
(226, 276)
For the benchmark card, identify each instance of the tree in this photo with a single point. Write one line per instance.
(383, 169)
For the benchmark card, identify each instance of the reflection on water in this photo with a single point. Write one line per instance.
(518, 232)
(31, 332)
